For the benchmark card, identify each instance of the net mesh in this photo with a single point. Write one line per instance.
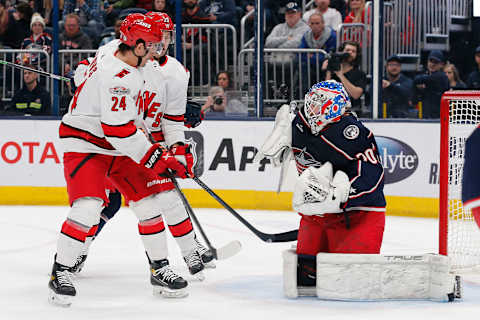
(463, 233)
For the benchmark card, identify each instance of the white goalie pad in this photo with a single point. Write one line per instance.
(316, 192)
(372, 277)
(277, 146)
(290, 287)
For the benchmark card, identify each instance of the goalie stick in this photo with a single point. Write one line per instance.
(43, 73)
(267, 237)
(225, 252)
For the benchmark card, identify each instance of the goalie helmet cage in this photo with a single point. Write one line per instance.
(459, 236)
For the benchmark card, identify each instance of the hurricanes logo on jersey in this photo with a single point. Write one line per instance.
(122, 73)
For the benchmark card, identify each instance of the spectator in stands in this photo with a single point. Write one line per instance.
(163, 6)
(192, 13)
(89, 13)
(219, 101)
(220, 11)
(115, 35)
(340, 6)
(195, 41)
(290, 33)
(145, 4)
(473, 80)
(18, 26)
(38, 39)
(3, 18)
(32, 98)
(397, 90)
(349, 74)
(356, 12)
(454, 77)
(224, 80)
(73, 38)
(430, 86)
(319, 36)
(332, 18)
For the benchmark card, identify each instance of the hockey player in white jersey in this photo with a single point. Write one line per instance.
(165, 96)
(100, 139)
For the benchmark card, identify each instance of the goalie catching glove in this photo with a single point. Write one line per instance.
(278, 145)
(159, 159)
(317, 192)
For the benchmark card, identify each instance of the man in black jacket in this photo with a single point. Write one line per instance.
(31, 99)
(430, 86)
(397, 90)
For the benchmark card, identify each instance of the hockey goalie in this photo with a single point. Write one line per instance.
(339, 196)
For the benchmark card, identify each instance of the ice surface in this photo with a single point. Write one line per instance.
(115, 282)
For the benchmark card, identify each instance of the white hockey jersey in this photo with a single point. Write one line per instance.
(106, 109)
(165, 98)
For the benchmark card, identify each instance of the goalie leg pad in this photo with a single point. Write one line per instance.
(367, 277)
(295, 276)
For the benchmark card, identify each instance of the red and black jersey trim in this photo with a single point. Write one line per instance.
(119, 131)
(182, 228)
(158, 136)
(67, 131)
(176, 118)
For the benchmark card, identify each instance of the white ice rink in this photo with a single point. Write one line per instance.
(115, 281)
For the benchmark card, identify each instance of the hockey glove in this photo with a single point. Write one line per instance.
(159, 159)
(183, 155)
(193, 114)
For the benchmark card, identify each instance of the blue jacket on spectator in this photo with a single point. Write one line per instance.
(473, 81)
(436, 84)
(327, 41)
(224, 10)
(397, 96)
(91, 8)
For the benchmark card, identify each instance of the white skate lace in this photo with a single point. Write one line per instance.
(200, 248)
(64, 278)
(192, 259)
(166, 273)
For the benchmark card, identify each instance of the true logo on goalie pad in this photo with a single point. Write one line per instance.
(351, 132)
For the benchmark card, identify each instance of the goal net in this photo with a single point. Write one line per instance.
(459, 235)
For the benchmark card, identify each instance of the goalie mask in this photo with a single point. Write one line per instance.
(325, 103)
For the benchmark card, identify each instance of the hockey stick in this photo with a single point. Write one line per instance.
(267, 237)
(230, 249)
(43, 73)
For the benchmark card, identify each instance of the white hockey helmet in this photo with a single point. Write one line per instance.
(325, 103)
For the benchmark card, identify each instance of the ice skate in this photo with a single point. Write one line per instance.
(195, 265)
(205, 254)
(165, 281)
(78, 264)
(61, 286)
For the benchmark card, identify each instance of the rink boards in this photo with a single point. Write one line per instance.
(31, 169)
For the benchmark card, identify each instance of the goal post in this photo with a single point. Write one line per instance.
(459, 236)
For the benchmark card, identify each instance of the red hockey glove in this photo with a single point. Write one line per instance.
(182, 154)
(159, 159)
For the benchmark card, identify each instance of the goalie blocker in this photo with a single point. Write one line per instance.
(372, 277)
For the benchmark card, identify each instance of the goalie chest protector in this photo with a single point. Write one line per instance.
(349, 146)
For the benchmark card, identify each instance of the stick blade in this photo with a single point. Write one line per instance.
(228, 250)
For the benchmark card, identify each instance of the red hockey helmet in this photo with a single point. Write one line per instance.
(163, 20)
(137, 26)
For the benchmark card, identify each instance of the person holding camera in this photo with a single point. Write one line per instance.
(344, 67)
(218, 101)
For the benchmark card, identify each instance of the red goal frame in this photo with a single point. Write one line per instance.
(444, 160)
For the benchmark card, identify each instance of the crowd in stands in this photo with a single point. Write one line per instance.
(88, 24)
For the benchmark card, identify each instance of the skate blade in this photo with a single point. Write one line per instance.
(169, 293)
(210, 265)
(199, 276)
(60, 299)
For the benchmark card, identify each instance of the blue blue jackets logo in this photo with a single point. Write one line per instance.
(399, 160)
